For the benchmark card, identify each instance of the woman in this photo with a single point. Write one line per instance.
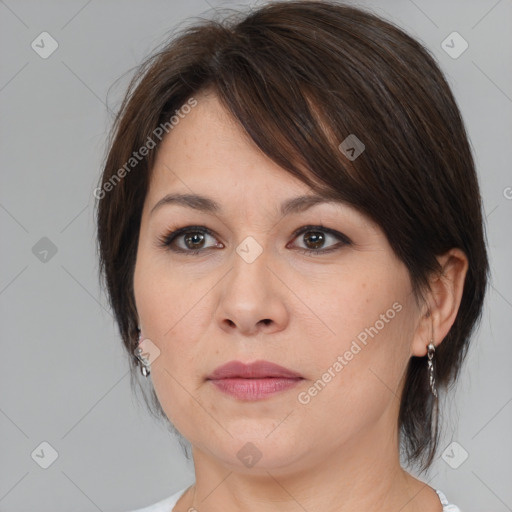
(290, 232)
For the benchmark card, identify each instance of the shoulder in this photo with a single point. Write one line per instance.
(164, 505)
(447, 506)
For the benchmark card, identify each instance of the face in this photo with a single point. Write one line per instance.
(315, 289)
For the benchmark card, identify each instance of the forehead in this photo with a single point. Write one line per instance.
(209, 150)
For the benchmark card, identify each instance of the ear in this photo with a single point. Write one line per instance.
(443, 301)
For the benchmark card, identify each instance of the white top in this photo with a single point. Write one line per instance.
(167, 504)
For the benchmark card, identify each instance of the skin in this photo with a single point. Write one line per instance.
(340, 450)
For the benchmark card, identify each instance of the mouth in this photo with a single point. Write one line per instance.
(253, 381)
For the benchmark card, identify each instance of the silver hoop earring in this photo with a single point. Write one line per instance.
(145, 366)
(431, 351)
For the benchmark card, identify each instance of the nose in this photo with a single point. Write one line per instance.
(252, 299)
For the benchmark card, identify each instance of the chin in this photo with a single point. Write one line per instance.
(259, 452)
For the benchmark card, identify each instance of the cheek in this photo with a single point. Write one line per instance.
(164, 297)
(362, 305)
(357, 384)
(361, 358)
(166, 303)
(174, 311)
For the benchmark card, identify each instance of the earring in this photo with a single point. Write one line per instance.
(431, 350)
(145, 365)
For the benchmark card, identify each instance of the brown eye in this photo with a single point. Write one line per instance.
(190, 240)
(314, 239)
(319, 240)
(194, 240)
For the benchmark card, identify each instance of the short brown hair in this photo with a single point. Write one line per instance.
(299, 77)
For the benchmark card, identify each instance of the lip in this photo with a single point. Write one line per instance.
(255, 389)
(253, 381)
(257, 370)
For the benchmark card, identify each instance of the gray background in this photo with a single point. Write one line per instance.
(64, 378)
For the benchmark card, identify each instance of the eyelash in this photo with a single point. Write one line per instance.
(166, 240)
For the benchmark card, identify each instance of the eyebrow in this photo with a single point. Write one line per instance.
(205, 204)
